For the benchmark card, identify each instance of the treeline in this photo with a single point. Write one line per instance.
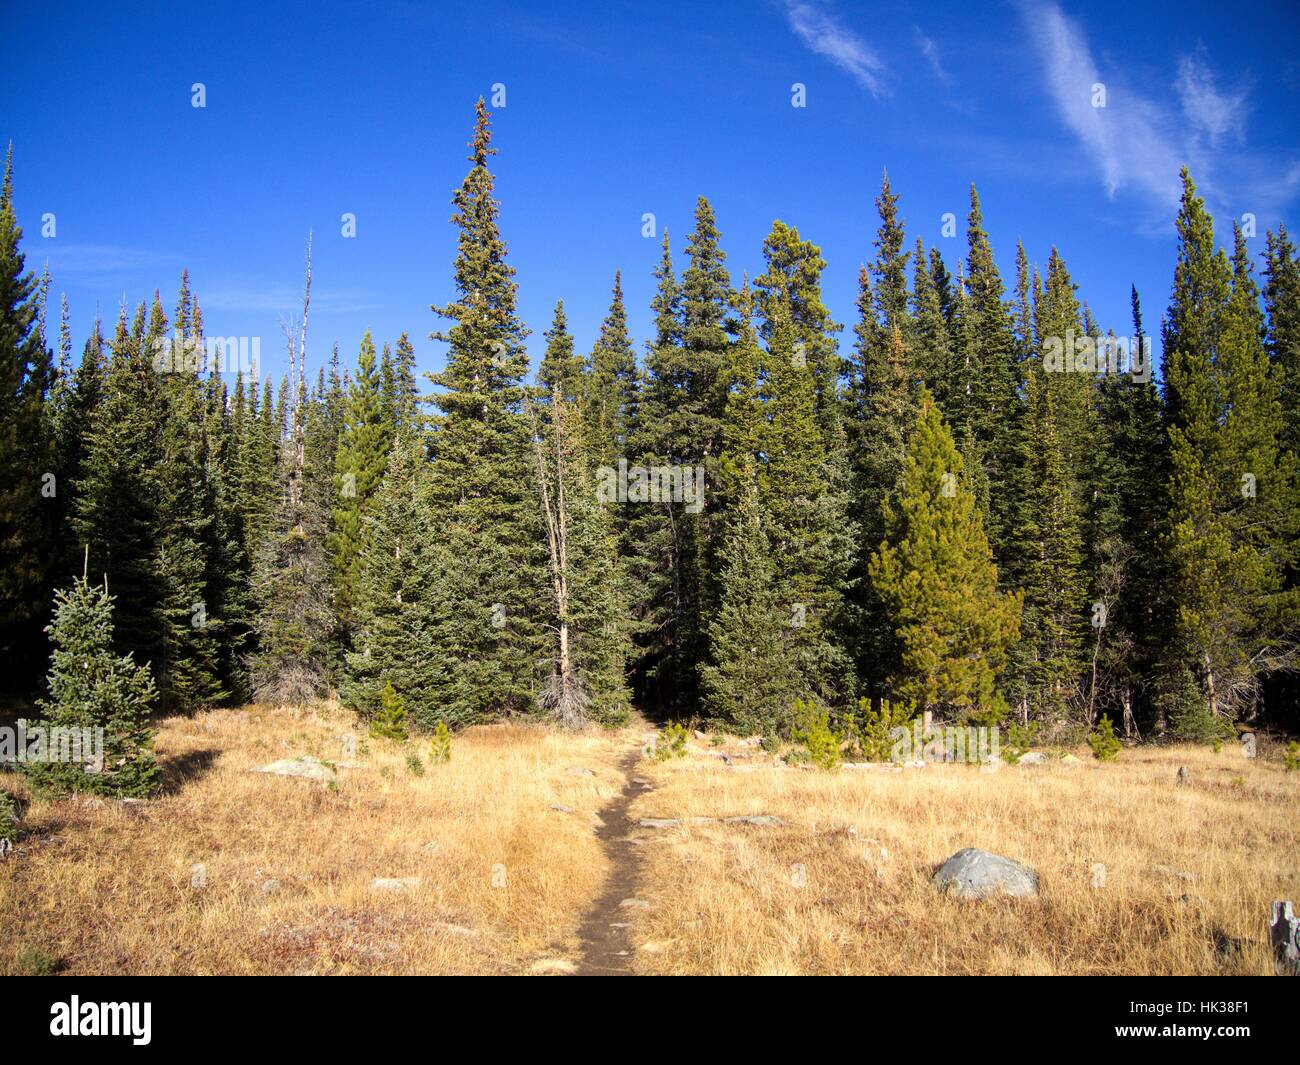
(991, 508)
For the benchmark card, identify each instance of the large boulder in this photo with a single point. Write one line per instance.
(975, 874)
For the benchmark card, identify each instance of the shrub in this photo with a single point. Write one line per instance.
(1103, 741)
(33, 961)
(414, 764)
(440, 746)
(1291, 757)
(812, 728)
(872, 728)
(1019, 740)
(8, 817)
(670, 743)
(391, 721)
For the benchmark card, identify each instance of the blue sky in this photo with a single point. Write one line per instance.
(614, 110)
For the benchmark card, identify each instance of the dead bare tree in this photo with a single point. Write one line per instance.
(563, 695)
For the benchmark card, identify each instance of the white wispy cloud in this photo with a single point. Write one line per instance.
(931, 52)
(1139, 140)
(1209, 111)
(821, 32)
(94, 260)
(1126, 141)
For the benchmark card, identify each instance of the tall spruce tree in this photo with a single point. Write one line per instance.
(1232, 489)
(26, 458)
(481, 489)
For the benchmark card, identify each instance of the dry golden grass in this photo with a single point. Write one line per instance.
(725, 897)
(106, 887)
(843, 886)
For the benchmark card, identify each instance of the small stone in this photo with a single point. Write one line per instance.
(560, 808)
(1032, 758)
(270, 887)
(972, 873)
(399, 883)
(754, 819)
(655, 946)
(659, 822)
(579, 771)
(634, 904)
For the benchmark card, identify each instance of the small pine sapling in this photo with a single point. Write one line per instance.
(1103, 741)
(390, 722)
(440, 747)
(812, 728)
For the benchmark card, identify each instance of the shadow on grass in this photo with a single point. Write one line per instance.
(184, 769)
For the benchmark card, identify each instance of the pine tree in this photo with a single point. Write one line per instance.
(612, 384)
(806, 509)
(91, 687)
(365, 441)
(481, 489)
(936, 573)
(680, 425)
(25, 454)
(749, 683)
(1232, 491)
(393, 638)
(992, 377)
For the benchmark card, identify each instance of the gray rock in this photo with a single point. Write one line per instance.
(308, 768)
(975, 874)
(270, 887)
(754, 819)
(399, 883)
(1032, 758)
(659, 822)
(1070, 760)
(579, 771)
(634, 904)
(560, 808)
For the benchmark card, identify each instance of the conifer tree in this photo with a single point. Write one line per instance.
(750, 683)
(613, 380)
(393, 638)
(365, 440)
(936, 573)
(92, 687)
(25, 454)
(481, 489)
(1232, 490)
